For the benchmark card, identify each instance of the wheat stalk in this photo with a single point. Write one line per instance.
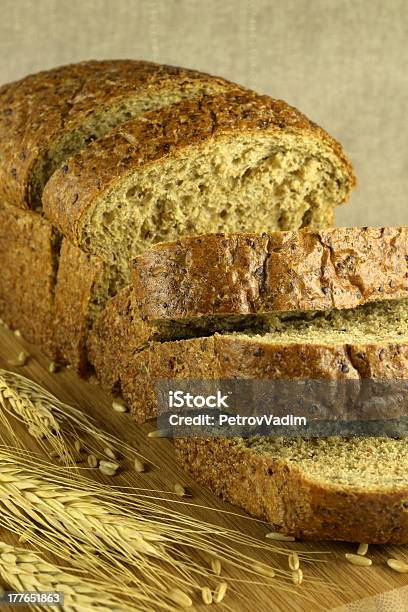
(149, 546)
(25, 570)
(60, 429)
(78, 527)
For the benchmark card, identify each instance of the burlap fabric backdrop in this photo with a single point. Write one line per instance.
(343, 62)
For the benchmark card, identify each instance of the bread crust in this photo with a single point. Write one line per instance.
(235, 274)
(73, 189)
(38, 109)
(279, 492)
(29, 249)
(78, 275)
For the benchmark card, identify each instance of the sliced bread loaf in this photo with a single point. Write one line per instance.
(325, 489)
(48, 116)
(239, 274)
(29, 248)
(230, 161)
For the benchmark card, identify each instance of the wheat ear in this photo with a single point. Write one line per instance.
(60, 429)
(26, 570)
(110, 531)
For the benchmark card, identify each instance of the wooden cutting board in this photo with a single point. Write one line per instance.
(343, 586)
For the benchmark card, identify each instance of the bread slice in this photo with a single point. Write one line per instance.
(324, 489)
(29, 248)
(242, 274)
(201, 165)
(48, 116)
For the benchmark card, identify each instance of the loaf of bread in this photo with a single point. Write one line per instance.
(50, 115)
(231, 161)
(100, 161)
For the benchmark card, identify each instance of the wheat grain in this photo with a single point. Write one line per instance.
(158, 433)
(293, 561)
(216, 566)
(110, 453)
(358, 559)
(220, 592)
(179, 490)
(119, 406)
(362, 549)
(398, 565)
(109, 468)
(297, 577)
(139, 465)
(206, 596)
(92, 461)
(264, 570)
(53, 367)
(275, 535)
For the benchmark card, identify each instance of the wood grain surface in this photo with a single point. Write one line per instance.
(329, 583)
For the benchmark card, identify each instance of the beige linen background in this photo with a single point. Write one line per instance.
(343, 62)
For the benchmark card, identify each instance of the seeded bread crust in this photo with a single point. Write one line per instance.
(37, 110)
(78, 274)
(73, 189)
(29, 249)
(279, 492)
(235, 274)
